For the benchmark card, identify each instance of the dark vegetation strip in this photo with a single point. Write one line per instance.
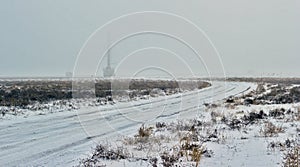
(22, 93)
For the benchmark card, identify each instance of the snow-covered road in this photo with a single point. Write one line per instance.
(61, 139)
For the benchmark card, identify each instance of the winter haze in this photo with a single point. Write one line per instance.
(254, 38)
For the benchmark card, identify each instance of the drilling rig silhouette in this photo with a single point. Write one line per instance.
(108, 71)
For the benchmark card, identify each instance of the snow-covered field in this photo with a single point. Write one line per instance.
(63, 138)
(232, 132)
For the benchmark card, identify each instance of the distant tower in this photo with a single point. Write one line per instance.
(108, 71)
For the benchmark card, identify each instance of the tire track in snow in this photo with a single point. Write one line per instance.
(56, 135)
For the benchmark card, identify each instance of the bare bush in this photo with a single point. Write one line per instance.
(103, 152)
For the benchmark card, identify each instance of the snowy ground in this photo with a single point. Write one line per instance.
(63, 138)
(226, 133)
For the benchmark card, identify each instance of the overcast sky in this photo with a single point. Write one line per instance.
(44, 37)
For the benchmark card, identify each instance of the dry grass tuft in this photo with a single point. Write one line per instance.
(144, 132)
(292, 158)
(271, 130)
(104, 152)
(193, 151)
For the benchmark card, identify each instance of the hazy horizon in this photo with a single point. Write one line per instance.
(254, 38)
